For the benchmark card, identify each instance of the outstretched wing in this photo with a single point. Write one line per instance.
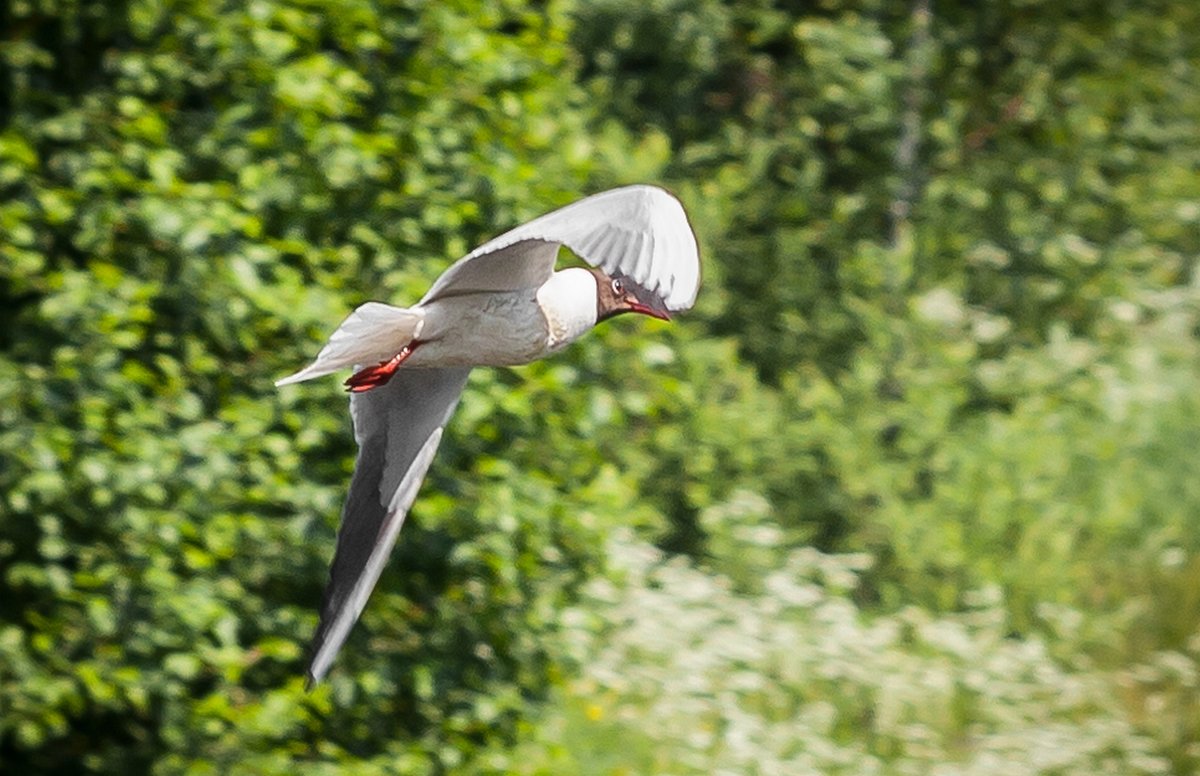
(640, 231)
(398, 427)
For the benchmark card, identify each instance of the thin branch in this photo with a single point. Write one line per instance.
(910, 126)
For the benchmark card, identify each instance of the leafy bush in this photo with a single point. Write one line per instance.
(192, 195)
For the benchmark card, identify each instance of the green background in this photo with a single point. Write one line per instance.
(913, 490)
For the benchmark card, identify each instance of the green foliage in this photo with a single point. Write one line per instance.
(974, 371)
(192, 197)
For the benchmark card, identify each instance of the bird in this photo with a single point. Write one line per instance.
(503, 304)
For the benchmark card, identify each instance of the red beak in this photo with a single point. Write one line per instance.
(647, 303)
(654, 311)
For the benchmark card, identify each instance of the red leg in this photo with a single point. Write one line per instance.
(375, 376)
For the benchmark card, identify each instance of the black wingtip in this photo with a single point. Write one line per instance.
(310, 681)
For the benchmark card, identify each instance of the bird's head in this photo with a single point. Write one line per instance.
(616, 294)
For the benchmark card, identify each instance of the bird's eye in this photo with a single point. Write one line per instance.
(617, 286)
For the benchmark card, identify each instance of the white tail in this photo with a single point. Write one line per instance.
(374, 332)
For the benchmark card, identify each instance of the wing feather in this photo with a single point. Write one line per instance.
(398, 427)
(639, 231)
(511, 267)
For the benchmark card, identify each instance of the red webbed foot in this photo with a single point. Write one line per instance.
(375, 376)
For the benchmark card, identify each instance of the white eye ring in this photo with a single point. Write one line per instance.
(617, 286)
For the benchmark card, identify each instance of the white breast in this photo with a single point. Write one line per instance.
(568, 302)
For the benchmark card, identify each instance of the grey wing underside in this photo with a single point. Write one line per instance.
(398, 427)
(638, 231)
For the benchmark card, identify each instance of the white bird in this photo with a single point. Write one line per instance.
(502, 304)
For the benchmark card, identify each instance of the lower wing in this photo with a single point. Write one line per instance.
(398, 427)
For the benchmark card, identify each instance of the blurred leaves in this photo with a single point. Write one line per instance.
(981, 409)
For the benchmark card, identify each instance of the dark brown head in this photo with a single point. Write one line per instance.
(616, 294)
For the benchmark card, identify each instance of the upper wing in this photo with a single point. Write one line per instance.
(638, 231)
(398, 427)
